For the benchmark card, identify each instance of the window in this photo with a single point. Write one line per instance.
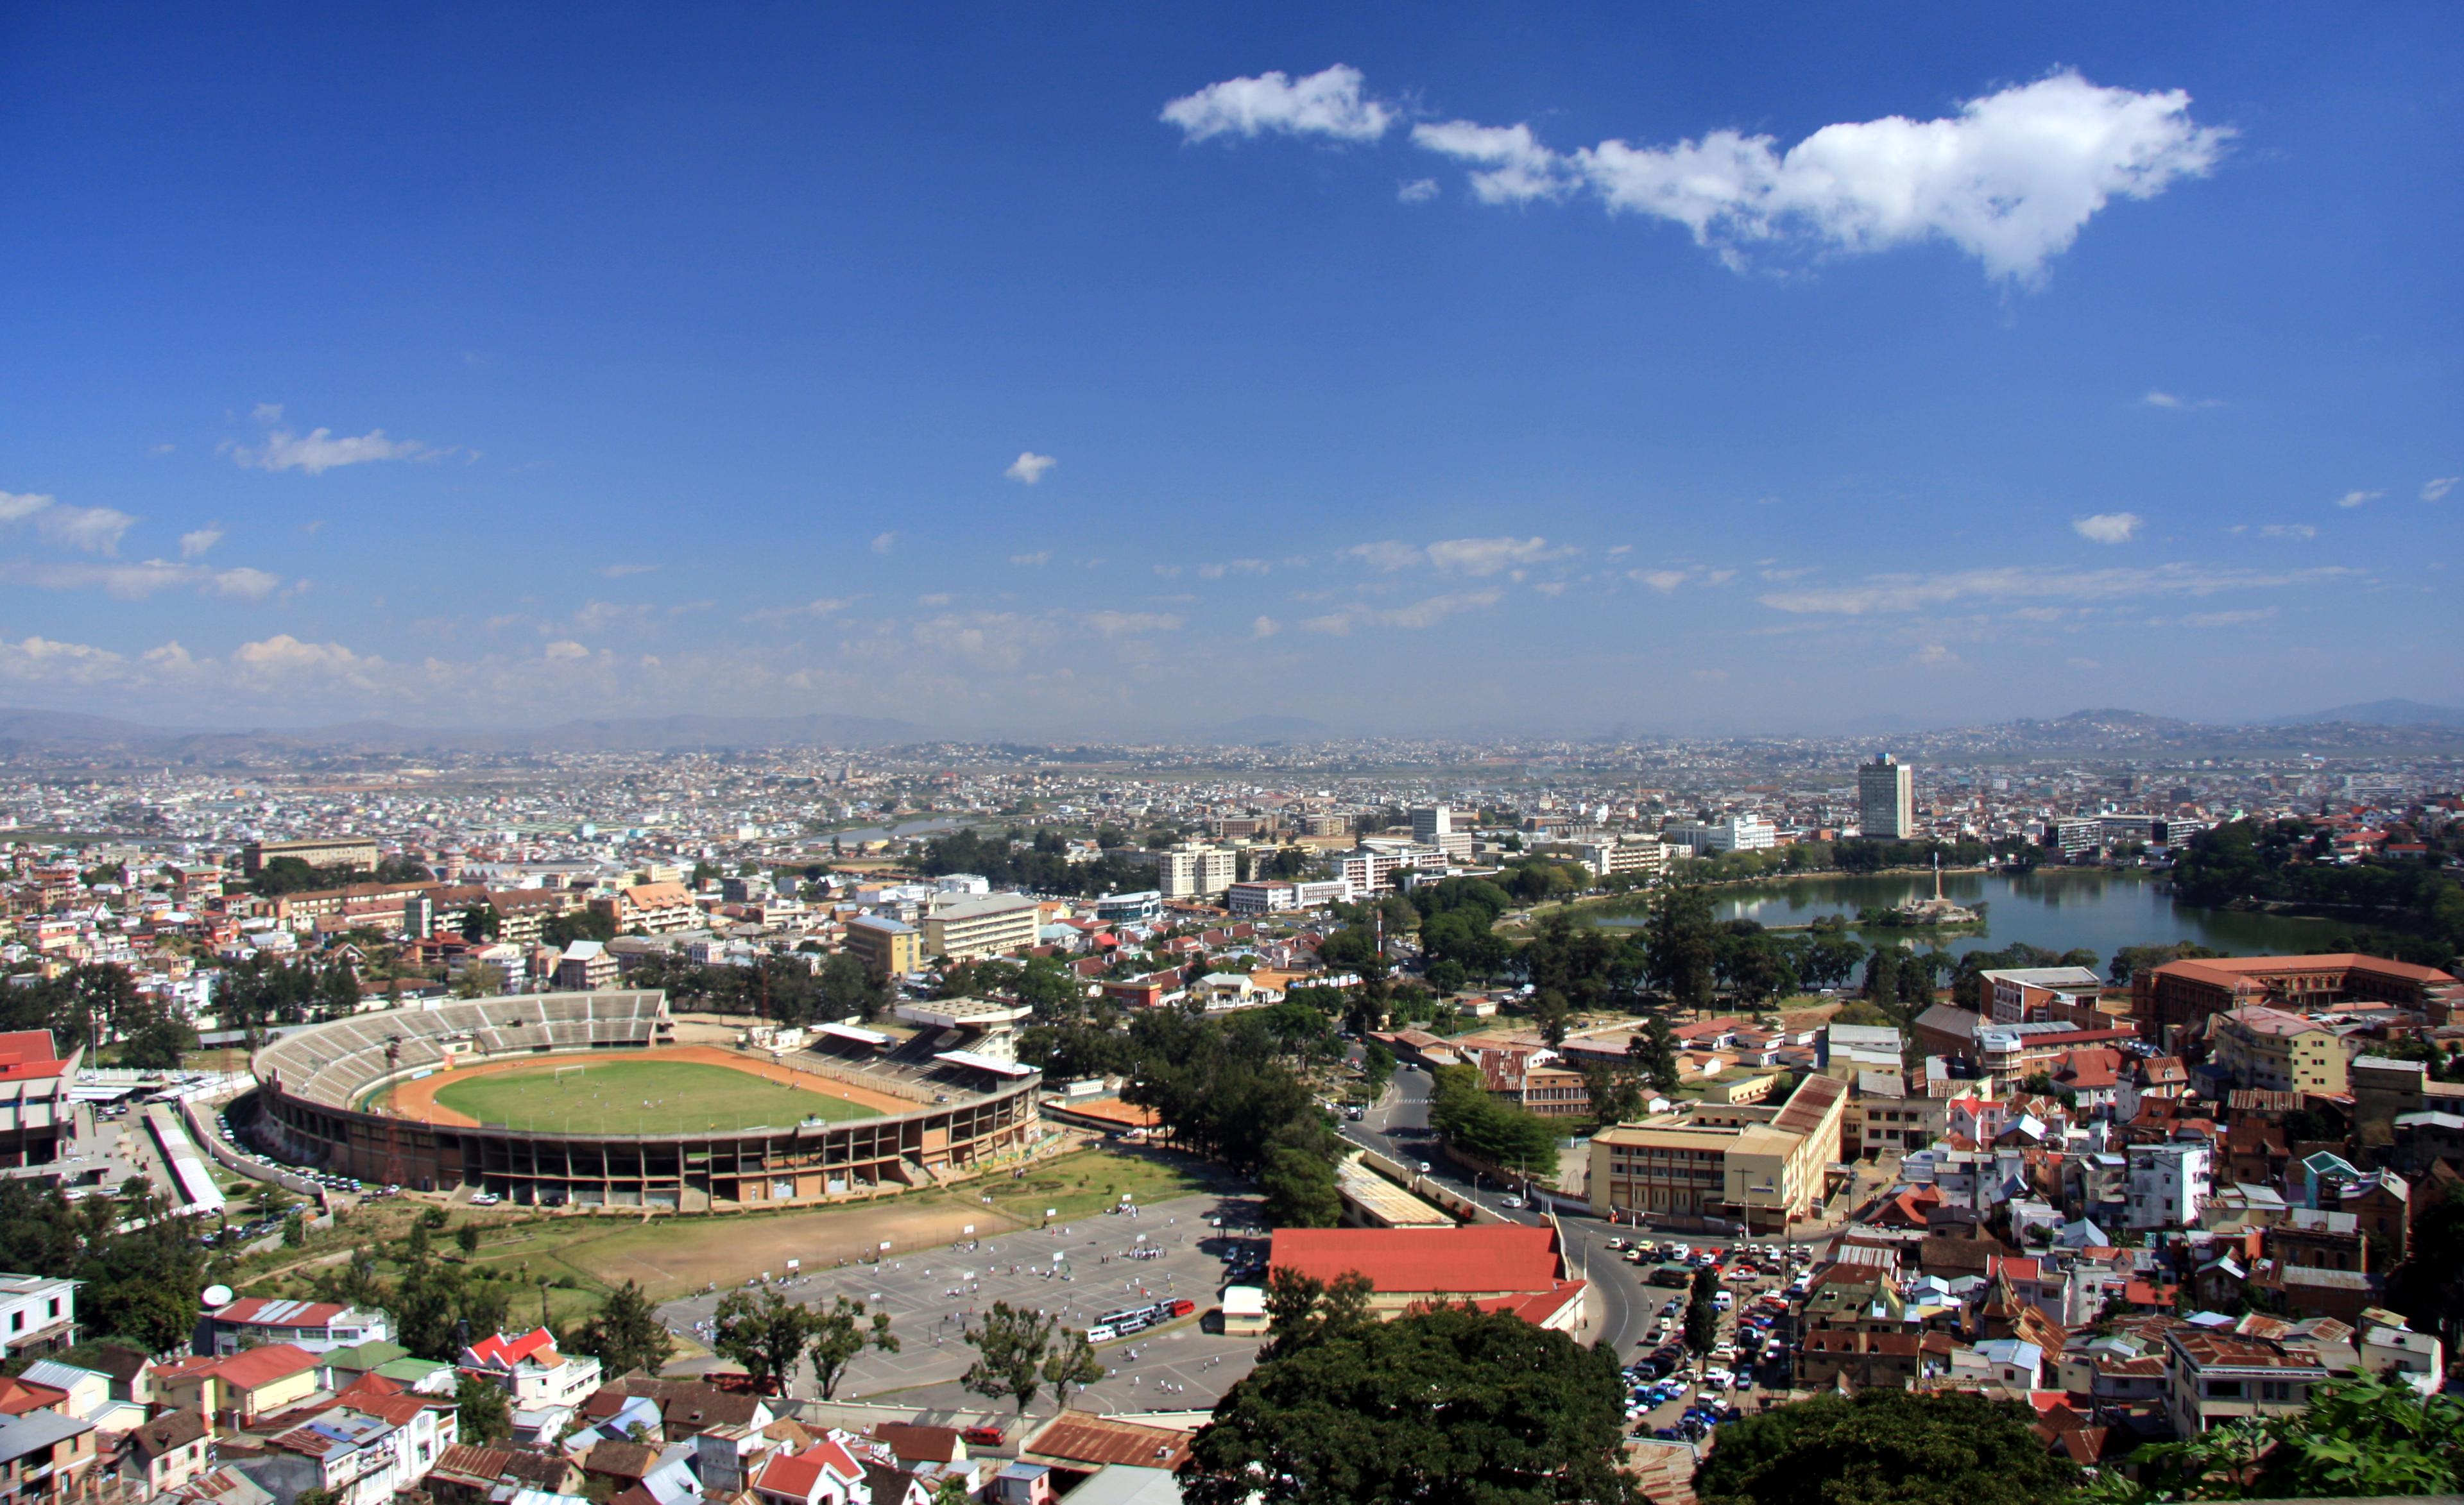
(2224, 1390)
(55, 1306)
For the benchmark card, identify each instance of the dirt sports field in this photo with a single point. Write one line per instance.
(690, 1104)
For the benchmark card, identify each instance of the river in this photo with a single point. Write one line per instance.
(2056, 908)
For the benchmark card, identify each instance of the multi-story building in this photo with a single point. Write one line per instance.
(1760, 1164)
(1193, 872)
(341, 851)
(1645, 855)
(37, 1106)
(651, 909)
(1434, 826)
(1886, 799)
(1129, 908)
(2212, 1376)
(49, 1459)
(887, 948)
(2276, 1051)
(1277, 898)
(531, 1370)
(969, 929)
(2180, 995)
(37, 1314)
(1736, 834)
(2034, 994)
(2169, 1182)
(1373, 865)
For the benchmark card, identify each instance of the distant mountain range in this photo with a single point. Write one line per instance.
(2381, 713)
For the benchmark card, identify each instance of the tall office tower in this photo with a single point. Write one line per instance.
(1430, 822)
(1887, 798)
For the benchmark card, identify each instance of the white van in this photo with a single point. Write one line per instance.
(1101, 1334)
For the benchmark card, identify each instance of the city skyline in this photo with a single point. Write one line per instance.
(1562, 369)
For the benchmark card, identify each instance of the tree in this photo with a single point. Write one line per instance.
(466, 1238)
(1299, 1190)
(1681, 944)
(1071, 1365)
(1441, 1405)
(2429, 1287)
(1703, 1312)
(767, 1334)
(840, 1333)
(1654, 1052)
(1884, 1447)
(626, 1334)
(484, 1409)
(2361, 1437)
(1010, 1346)
(1377, 1068)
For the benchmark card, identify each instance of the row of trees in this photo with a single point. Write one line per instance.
(2294, 862)
(786, 990)
(770, 1335)
(1498, 1132)
(93, 1002)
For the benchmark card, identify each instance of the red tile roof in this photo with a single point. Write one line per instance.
(1430, 1259)
(251, 1368)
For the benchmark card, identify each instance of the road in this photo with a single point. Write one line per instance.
(1622, 1306)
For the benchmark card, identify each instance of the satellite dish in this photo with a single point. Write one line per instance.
(216, 1296)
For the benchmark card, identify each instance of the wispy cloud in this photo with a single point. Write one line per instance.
(2437, 490)
(1265, 627)
(617, 572)
(195, 545)
(2179, 404)
(318, 450)
(1118, 623)
(883, 544)
(2107, 527)
(2287, 531)
(2227, 619)
(2357, 498)
(1029, 467)
(826, 606)
(2011, 178)
(1327, 103)
(1216, 571)
(93, 530)
(135, 581)
(1457, 556)
(1935, 656)
(1662, 581)
(1910, 593)
(1418, 190)
(1039, 557)
(1424, 613)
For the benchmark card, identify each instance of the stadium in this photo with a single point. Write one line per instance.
(585, 1100)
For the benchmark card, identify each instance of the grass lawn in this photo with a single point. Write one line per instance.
(639, 1097)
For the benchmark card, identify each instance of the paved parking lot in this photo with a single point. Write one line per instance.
(1688, 1381)
(1077, 1270)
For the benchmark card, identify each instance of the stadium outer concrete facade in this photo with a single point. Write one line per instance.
(313, 1086)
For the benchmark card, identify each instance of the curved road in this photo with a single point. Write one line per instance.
(1622, 1306)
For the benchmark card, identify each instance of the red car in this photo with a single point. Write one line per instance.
(982, 1436)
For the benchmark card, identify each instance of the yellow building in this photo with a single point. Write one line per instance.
(1758, 1165)
(887, 948)
(2277, 1051)
(967, 929)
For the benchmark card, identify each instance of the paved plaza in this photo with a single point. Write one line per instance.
(1077, 1270)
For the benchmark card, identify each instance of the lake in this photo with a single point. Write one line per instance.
(2057, 908)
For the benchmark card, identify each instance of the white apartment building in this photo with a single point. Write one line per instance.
(1886, 799)
(1278, 898)
(2169, 1182)
(1434, 826)
(37, 1314)
(1190, 872)
(1372, 866)
(1736, 834)
(1645, 855)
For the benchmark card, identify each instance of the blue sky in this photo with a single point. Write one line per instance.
(1413, 368)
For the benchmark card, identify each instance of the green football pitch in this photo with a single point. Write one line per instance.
(639, 1097)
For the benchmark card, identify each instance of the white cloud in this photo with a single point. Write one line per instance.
(2084, 664)
(1456, 555)
(1029, 466)
(1419, 191)
(195, 545)
(2226, 619)
(564, 651)
(2107, 527)
(318, 450)
(1438, 608)
(617, 572)
(883, 544)
(1334, 624)
(2167, 400)
(1216, 571)
(94, 530)
(1907, 593)
(18, 506)
(1514, 168)
(2010, 179)
(1114, 623)
(2287, 531)
(1040, 557)
(1265, 627)
(246, 584)
(937, 598)
(2434, 490)
(1934, 656)
(1325, 103)
(2357, 498)
(1661, 580)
